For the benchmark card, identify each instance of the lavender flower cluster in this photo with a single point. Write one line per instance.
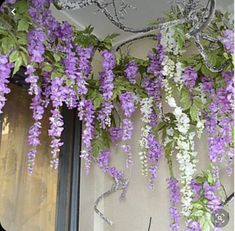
(174, 190)
(131, 71)
(86, 113)
(5, 71)
(35, 129)
(189, 77)
(104, 163)
(106, 87)
(107, 75)
(154, 154)
(219, 122)
(228, 40)
(36, 48)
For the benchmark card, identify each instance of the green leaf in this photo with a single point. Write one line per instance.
(198, 206)
(47, 67)
(198, 102)
(7, 45)
(14, 56)
(198, 213)
(100, 142)
(18, 64)
(98, 100)
(21, 6)
(24, 58)
(194, 113)
(56, 57)
(185, 99)
(23, 25)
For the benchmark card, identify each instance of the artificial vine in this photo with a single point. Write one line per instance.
(59, 73)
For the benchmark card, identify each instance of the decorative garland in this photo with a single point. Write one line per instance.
(58, 59)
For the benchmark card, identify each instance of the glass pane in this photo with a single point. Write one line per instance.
(27, 203)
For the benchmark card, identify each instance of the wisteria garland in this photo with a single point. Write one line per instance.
(58, 72)
(185, 143)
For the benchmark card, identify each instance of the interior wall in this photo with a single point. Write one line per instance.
(134, 213)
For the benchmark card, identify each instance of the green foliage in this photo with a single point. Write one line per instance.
(101, 141)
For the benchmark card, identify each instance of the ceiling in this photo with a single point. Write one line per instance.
(146, 11)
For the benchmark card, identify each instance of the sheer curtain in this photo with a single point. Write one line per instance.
(27, 203)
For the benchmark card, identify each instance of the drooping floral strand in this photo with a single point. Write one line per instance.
(189, 77)
(193, 226)
(5, 72)
(185, 143)
(38, 111)
(87, 114)
(128, 104)
(154, 155)
(104, 163)
(219, 122)
(35, 129)
(185, 140)
(127, 132)
(107, 75)
(84, 68)
(104, 115)
(58, 96)
(131, 71)
(146, 105)
(36, 48)
(106, 87)
(174, 191)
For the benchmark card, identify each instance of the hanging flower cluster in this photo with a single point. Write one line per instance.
(131, 71)
(174, 191)
(59, 74)
(5, 72)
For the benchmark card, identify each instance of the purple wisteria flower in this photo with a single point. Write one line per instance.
(193, 226)
(104, 114)
(208, 86)
(154, 85)
(88, 132)
(126, 148)
(228, 40)
(5, 72)
(190, 77)
(219, 123)
(174, 191)
(35, 129)
(127, 100)
(55, 131)
(196, 187)
(85, 55)
(156, 59)
(155, 149)
(131, 71)
(211, 194)
(127, 127)
(107, 75)
(115, 134)
(36, 48)
(57, 97)
(32, 79)
(58, 92)
(104, 163)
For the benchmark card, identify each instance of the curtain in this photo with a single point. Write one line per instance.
(27, 203)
